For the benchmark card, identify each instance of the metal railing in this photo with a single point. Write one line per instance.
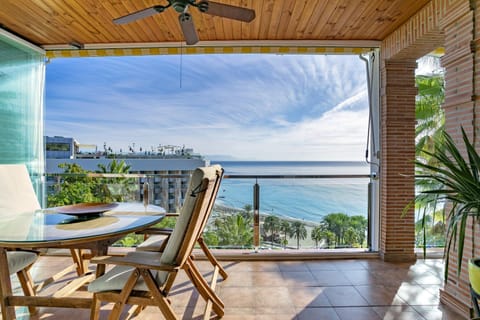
(276, 234)
(246, 203)
(256, 204)
(243, 215)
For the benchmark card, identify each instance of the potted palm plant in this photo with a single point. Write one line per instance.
(456, 180)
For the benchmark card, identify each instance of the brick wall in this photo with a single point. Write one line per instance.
(459, 106)
(454, 24)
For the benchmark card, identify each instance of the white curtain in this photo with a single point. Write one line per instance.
(22, 85)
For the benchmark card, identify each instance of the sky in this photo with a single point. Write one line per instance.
(225, 107)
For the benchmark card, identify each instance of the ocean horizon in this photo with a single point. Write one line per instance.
(308, 200)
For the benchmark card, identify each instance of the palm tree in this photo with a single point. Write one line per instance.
(459, 180)
(285, 229)
(317, 235)
(429, 129)
(298, 231)
(272, 224)
(338, 224)
(114, 167)
(121, 188)
(359, 225)
(234, 230)
(247, 211)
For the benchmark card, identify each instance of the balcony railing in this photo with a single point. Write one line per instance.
(270, 212)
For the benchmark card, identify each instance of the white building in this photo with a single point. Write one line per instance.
(167, 174)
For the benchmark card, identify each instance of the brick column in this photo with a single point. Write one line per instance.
(397, 233)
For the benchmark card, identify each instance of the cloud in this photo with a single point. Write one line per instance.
(257, 107)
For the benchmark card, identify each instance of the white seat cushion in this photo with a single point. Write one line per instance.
(18, 260)
(153, 243)
(115, 278)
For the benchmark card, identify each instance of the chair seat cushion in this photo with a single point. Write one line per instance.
(115, 279)
(153, 243)
(18, 260)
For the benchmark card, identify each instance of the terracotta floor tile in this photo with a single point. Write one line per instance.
(317, 313)
(275, 312)
(298, 279)
(388, 277)
(186, 297)
(309, 297)
(238, 297)
(303, 290)
(290, 266)
(330, 278)
(273, 298)
(359, 277)
(398, 313)
(436, 313)
(349, 265)
(238, 279)
(233, 311)
(357, 313)
(417, 295)
(321, 265)
(267, 279)
(235, 266)
(380, 295)
(427, 278)
(345, 296)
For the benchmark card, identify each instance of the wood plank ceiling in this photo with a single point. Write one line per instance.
(60, 22)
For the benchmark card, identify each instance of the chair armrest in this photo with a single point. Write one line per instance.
(172, 214)
(147, 260)
(161, 231)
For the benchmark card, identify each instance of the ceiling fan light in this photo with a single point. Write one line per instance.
(188, 28)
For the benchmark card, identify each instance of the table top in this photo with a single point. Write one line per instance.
(45, 228)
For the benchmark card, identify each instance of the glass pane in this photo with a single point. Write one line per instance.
(22, 75)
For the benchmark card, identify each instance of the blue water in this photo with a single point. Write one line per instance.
(305, 199)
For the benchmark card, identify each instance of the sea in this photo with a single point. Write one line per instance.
(297, 198)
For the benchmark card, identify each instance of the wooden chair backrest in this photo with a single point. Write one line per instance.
(219, 171)
(193, 217)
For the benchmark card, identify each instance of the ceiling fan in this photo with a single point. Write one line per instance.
(185, 19)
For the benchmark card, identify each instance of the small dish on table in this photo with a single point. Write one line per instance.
(86, 210)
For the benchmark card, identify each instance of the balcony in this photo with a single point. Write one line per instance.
(319, 281)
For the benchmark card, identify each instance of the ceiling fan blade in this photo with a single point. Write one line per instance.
(139, 15)
(188, 28)
(231, 12)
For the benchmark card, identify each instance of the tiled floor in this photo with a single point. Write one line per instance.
(303, 290)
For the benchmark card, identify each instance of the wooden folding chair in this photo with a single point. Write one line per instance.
(158, 237)
(17, 196)
(145, 278)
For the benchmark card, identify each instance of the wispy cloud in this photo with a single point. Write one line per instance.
(263, 107)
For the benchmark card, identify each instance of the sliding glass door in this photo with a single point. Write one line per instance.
(22, 85)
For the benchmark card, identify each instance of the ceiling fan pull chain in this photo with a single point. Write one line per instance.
(181, 64)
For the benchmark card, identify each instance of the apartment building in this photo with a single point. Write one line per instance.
(166, 169)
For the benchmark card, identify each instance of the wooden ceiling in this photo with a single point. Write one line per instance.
(60, 22)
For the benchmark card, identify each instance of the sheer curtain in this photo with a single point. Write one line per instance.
(22, 85)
